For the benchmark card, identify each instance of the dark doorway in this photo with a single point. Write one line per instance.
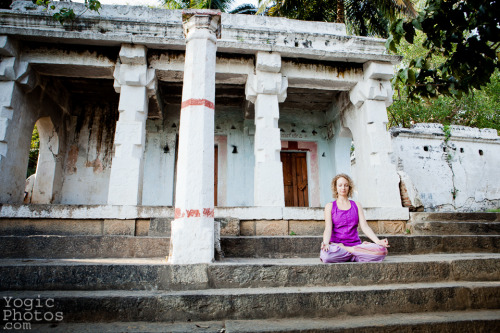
(295, 179)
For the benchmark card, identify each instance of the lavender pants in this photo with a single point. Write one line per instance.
(362, 253)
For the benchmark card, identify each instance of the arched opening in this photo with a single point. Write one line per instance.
(344, 151)
(32, 163)
(40, 185)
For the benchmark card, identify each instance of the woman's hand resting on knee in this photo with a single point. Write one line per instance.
(383, 242)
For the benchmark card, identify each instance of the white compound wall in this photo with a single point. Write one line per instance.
(461, 173)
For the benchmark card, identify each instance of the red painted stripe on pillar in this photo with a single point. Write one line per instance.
(195, 101)
(181, 213)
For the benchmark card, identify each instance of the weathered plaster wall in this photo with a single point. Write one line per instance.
(239, 157)
(159, 163)
(89, 154)
(460, 174)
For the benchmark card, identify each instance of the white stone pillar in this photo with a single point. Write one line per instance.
(16, 123)
(192, 239)
(266, 88)
(45, 177)
(134, 81)
(377, 179)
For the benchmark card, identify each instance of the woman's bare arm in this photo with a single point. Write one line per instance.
(367, 230)
(327, 234)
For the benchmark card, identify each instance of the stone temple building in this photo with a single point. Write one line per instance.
(190, 116)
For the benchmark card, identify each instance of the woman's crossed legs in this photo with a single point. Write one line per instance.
(365, 252)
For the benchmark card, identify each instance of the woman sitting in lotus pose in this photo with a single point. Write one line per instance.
(340, 239)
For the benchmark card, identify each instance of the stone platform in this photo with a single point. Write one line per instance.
(428, 283)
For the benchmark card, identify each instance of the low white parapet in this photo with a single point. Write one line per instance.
(250, 213)
(455, 171)
(303, 213)
(84, 212)
(456, 131)
(92, 212)
(386, 213)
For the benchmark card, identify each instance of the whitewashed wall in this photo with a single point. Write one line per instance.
(88, 157)
(460, 174)
(159, 163)
(87, 168)
(240, 167)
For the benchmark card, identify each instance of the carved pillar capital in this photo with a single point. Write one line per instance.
(201, 23)
(267, 78)
(375, 86)
(12, 68)
(132, 70)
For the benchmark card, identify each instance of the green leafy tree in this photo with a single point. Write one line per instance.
(465, 35)
(222, 5)
(365, 18)
(34, 149)
(67, 14)
(442, 84)
(477, 108)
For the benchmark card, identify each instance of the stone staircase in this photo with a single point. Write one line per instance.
(442, 281)
(455, 224)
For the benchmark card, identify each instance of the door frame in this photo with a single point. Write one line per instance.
(221, 142)
(311, 149)
(295, 175)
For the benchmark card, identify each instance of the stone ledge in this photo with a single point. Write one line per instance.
(387, 213)
(161, 28)
(434, 130)
(84, 212)
(250, 213)
(110, 212)
(303, 213)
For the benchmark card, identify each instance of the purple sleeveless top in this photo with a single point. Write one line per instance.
(345, 225)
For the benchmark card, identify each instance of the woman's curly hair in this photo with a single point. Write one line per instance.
(334, 185)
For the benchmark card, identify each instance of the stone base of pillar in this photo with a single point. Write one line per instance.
(193, 245)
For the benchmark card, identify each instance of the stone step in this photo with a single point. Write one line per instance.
(156, 274)
(308, 247)
(455, 228)
(54, 247)
(258, 303)
(453, 321)
(455, 217)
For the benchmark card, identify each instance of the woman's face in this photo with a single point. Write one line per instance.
(342, 186)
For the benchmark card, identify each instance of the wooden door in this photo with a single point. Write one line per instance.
(216, 176)
(295, 179)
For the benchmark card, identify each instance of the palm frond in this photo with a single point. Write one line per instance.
(245, 9)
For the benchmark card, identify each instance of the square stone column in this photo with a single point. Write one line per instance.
(17, 117)
(192, 239)
(266, 88)
(134, 81)
(377, 179)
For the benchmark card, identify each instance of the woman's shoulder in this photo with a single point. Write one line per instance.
(356, 203)
(329, 205)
